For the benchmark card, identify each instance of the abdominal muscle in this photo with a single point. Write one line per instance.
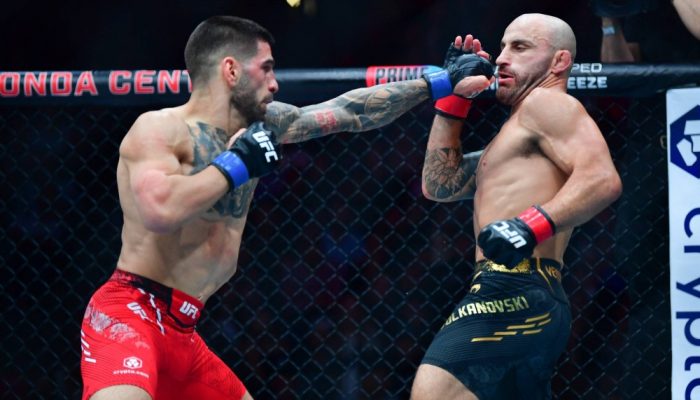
(197, 259)
(507, 188)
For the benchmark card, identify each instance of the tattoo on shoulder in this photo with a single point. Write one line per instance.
(449, 175)
(208, 143)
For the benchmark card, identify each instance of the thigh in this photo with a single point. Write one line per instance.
(208, 378)
(117, 349)
(501, 344)
(121, 392)
(433, 382)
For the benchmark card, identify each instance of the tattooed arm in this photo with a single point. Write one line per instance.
(447, 174)
(355, 111)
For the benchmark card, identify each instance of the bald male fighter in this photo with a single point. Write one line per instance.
(547, 170)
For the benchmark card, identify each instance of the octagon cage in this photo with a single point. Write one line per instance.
(346, 271)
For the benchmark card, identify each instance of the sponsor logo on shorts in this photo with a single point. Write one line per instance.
(553, 272)
(133, 365)
(508, 305)
(130, 372)
(189, 309)
(138, 310)
(133, 362)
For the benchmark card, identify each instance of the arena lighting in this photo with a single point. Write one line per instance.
(294, 3)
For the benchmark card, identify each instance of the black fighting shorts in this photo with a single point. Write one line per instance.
(504, 338)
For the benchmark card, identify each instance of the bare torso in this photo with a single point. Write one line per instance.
(202, 254)
(514, 174)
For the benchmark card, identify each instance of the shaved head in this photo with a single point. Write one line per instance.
(555, 31)
(536, 49)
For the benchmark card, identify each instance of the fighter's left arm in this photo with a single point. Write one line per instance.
(355, 111)
(570, 138)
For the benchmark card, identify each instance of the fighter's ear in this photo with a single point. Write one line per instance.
(561, 62)
(230, 70)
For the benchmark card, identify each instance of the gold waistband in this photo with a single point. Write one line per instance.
(526, 266)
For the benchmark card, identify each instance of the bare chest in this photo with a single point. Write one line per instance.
(206, 143)
(511, 150)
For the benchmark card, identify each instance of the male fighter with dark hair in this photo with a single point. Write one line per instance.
(186, 177)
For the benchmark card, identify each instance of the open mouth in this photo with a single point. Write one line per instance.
(504, 77)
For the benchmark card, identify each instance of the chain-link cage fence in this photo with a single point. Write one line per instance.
(346, 271)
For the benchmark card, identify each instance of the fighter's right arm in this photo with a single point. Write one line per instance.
(164, 197)
(448, 175)
(370, 108)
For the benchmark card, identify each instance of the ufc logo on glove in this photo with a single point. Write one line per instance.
(244, 160)
(514, 237)
(264, 141)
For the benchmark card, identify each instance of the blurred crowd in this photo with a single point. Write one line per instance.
(319, 33)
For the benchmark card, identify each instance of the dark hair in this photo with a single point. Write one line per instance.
(236, 36)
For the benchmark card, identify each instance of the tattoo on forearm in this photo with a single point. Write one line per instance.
(449, 175)
(327, 122)
(355, 111)
(380, 105)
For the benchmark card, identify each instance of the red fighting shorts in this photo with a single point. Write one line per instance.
(139, 332)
